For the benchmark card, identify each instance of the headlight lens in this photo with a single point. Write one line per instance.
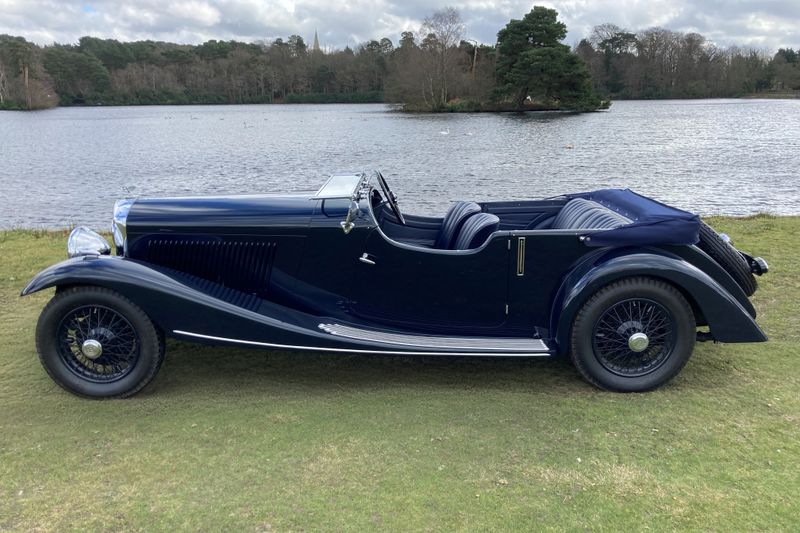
(120, 222)
(83, 241)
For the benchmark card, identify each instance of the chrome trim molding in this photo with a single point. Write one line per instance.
(520, 256)
(119, 222)
(490, 344)
(350, 350)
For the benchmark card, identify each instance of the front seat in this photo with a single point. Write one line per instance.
(453, 220)
(476, 230)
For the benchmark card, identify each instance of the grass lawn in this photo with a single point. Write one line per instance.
(257, 441)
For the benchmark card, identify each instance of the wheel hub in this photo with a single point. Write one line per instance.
(92, 349)
(638, 342)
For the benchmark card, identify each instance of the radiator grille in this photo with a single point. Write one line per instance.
(242, 265)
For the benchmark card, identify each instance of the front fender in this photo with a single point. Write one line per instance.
(176, 302)
(727, 318)
(191, 308)
(110, 272)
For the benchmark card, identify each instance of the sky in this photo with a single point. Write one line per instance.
(762, 24)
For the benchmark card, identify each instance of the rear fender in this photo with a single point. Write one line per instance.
(727, 318)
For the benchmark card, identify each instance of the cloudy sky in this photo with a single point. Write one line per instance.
(765, 24)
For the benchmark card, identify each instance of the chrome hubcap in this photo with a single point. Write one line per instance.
(638, 342)
(92, 349)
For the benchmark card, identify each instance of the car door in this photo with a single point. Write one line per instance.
(457, 292)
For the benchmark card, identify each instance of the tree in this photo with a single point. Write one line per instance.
(24, 84)
(78, 77)
(430, 71)
(532, 62)
(785, 69)
(112, 53)
(297, 45)
(3, 84)
(407, 40)
(617, 47)
(443, 31)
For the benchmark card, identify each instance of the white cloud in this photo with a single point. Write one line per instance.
(758, 23)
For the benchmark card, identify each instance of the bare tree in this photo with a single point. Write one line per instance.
(444, 30)
(603, 32)
(3, 83)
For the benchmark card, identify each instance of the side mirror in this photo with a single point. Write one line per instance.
(352, 212)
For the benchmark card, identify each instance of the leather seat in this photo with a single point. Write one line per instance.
(580, 213)
(452, 223)
(476, 230)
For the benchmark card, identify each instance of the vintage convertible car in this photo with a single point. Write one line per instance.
(622, 284)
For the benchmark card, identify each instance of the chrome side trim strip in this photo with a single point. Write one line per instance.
(488, 344)
(349, 350)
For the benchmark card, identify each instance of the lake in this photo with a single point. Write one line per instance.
(67, 166)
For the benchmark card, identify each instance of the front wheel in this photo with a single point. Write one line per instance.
(633, 335)
(96, 343)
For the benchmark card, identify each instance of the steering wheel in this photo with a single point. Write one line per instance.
(391, 198)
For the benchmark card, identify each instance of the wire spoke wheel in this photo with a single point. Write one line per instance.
(97, 343)
(634, 337)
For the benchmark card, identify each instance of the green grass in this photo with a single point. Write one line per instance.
(256, 441)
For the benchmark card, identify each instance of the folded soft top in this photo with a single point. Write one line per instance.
(651, 222)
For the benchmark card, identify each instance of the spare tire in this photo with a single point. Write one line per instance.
(727, 257)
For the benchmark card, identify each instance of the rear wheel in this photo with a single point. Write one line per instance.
(633, 335)
(96, 343)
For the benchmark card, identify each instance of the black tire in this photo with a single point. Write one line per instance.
(728, 258)
(132, 348)
(602, 329)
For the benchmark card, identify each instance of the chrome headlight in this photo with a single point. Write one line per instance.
(119, 224)
(83, 241)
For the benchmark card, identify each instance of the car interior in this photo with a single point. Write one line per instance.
(468, 225)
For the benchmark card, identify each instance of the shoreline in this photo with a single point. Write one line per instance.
(398, 107)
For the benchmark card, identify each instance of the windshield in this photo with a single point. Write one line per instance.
(341, 186)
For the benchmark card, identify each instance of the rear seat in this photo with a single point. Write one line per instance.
(580, 213)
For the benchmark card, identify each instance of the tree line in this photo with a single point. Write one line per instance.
(433, 69)
(660, 63)
(108, 72)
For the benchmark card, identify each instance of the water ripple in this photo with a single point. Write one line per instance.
(67, 166)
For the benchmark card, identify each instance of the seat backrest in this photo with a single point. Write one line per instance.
(453, 220)
(580, 213)
(476, 230)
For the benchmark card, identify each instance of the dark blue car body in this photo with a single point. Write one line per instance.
(279, 272)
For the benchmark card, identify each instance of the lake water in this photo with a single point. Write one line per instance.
(67, 166)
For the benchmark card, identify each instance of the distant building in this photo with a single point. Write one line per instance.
(315, 48)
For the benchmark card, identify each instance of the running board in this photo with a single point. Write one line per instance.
(478, 345)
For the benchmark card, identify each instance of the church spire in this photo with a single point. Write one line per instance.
(315, 48)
